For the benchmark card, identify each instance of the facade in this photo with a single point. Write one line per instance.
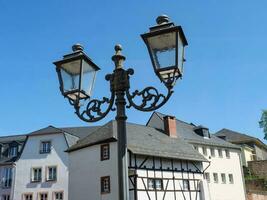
(40, 171)
(160, 166)
(223, 173)
(10, 150)
(167, 159)
(252, 148)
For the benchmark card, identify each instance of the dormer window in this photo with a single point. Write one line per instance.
(202, 131)
(45, 147)
(12, 151)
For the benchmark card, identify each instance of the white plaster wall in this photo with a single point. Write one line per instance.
(247, 154)
(232, 165)
(86, 169)
(32, 158)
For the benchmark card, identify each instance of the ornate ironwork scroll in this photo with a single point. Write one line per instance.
(93, 111)
(151, 99)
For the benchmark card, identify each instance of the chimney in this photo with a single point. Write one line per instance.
(170, 126)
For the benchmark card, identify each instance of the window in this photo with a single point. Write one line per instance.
(105, 185)
(220, 153)
(27, 197)
(5, 197)
(155, 184)
(212, 152)
(196, 148)
(36, 174)
(158, 184)
(7, 179)
(51, 174)
(215, 177)
(45, 147)
(150, 183)
(58, 196)
(204, 149)
(12, 151)
(105, 152)
(186, 185)
(43, 196)
(223, 178)
(227, 153)
(231, 178)
(207, 176)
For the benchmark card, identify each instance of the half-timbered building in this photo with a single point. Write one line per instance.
(160, 165)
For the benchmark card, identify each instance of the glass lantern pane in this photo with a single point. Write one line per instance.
(180, 54)
(163, 49)
(70, 73)
(88, 78)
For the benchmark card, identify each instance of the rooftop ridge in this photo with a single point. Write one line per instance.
(5, 136)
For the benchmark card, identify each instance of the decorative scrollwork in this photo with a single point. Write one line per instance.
(151, 99)
(93, 110)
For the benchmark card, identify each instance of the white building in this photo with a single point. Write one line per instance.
(252, 148)
(10, 150)
(160, 166)
(224, 172)
(41, 172)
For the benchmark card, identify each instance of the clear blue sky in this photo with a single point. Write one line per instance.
(225, 77)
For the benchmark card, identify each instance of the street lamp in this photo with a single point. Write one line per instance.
(165, 43)
(76, 73)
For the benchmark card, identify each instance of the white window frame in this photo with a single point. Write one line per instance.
(223, 177)
(42, 193)
(58, 192)
(25, 195)
(48, 173)
(215, 178)
(39, 177)
(155, 184)
(231, 178)
(204, 150)
(212, 152)
(105, 184)
(220, 153)
(227, 153)
(7, 177)
(12, 151)
(207, 176)
(105, 151)
(45, 148)
(186, 185)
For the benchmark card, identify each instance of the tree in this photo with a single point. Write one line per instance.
(263, 123)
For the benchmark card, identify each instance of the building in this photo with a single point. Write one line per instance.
(41, 171)
(10, 151)
(224, 172)
(167, 159)
(160, 165)
(252, 148)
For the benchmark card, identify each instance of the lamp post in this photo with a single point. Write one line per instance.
(76, 73)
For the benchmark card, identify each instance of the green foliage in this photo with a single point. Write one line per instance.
(263, 123)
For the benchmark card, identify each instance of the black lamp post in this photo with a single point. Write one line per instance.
(76, 73)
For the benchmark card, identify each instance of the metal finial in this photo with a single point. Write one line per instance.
(77, 47)
(118, 58)
(162, 19)
(118, 49)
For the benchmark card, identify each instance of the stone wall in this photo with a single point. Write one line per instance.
(257, 195)
(258, 168)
